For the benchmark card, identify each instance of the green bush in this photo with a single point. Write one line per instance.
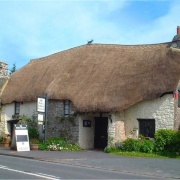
(32, 125)
(1, 139)
(175, 145)
(131, 145)
(146, 146)
(33, 133)
(164, 138)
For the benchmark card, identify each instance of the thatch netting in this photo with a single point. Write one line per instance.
(98, 77)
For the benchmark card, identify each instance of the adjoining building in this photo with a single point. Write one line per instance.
(100, 94)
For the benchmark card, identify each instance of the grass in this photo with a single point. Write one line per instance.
(146, 155)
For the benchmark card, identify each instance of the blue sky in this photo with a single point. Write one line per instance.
(36, 28)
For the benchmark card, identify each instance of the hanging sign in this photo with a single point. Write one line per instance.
(41, 104)
(40, 117)
(20, 138)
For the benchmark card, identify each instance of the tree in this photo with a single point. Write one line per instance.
(13, 69)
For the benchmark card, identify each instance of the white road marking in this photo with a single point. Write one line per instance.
(48, 175)
(28, 173)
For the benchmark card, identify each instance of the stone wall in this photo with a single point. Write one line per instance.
(2, 126)
(125, 124)
(177, 109)
(116, 128)
(3, 69)
(3, 80)
(59, 125)
(176, 115)
(160, 109)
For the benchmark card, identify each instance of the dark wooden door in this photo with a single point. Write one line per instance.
(100, 139)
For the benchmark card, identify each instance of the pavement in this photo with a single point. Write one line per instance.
(153, 167)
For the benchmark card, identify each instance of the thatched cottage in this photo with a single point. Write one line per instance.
(99, 94)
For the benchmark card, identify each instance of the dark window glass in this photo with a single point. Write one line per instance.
(17, 107)
(66, 107)
(147, 127)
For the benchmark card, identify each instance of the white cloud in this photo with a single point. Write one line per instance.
(39, 28)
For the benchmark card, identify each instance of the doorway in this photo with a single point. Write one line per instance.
(101, 134)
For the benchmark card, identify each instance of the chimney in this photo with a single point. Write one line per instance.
(176, 40)
(178, 30)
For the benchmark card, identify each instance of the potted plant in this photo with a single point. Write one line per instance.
(5, 141)
(34, 143)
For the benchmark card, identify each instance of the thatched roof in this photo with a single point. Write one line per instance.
(98, 77)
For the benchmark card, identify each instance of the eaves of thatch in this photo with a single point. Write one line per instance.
(98, 77)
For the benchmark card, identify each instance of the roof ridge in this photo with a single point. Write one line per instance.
(99, 44)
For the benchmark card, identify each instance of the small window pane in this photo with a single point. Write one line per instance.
(66, 107)
(17, 108)
(147, 127)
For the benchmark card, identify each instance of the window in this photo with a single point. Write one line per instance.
(66, 107)
(17, 107)
(147, 127)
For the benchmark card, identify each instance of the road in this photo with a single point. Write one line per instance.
(20, 168)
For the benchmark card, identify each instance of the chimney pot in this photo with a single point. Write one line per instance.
(178, 30)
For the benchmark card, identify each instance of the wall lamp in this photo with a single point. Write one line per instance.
(110, 117)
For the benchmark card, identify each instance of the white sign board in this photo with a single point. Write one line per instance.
(41, 104)
(40, 117)
(21, 138)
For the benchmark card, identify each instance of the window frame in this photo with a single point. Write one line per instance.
(144, 122)
(17, 108)
(67, 107)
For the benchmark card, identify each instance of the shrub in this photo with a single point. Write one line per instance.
(32, 125)
(111, 149)
(131, 145)
(175, 146)
(164, 139)
(33, 133)
(1, 139)
(146, 146)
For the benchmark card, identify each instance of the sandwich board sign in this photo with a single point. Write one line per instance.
(20, 138)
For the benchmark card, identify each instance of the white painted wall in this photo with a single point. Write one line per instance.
(8, 110)
(28, 108)
(86, 134)
(160, 109)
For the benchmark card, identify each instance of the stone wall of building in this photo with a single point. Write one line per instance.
(3, 79)
(59, 125)
(116, 128)
(3, 69)
(160, 109)
(125, 123)
(176, 115)
(177, 108)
